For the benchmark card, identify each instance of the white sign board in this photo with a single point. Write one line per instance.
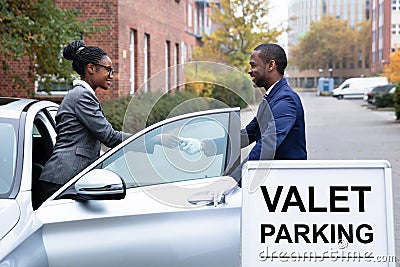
(302, 213)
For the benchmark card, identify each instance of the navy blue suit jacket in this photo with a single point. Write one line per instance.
(278, 128)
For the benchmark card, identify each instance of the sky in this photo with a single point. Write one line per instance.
(278, 12)
(277, 15)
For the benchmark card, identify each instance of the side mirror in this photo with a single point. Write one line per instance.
(99, 184)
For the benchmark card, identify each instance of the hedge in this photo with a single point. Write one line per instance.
(396, 100)
(132, 114)
(384, 100)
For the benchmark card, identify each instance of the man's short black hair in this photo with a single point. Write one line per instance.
(268, 52)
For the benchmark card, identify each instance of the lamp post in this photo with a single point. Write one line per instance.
(320, 72)
(330, 72)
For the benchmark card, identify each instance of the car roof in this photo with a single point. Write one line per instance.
(13, 107)
(383, 87)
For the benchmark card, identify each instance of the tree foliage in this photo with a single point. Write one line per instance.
(36, 31)
(241, 26)
(396, 100)
(392, 69)
(329, 42)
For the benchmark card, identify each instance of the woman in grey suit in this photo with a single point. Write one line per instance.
(80, 123)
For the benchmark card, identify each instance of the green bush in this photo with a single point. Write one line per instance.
(396, 100)
(384, 100)
(133, 114)
(229, 97)
(114, 110)
(223, 84)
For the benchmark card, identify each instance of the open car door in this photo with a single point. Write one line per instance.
(177, 209)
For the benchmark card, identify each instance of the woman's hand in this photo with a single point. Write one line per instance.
(167, 140)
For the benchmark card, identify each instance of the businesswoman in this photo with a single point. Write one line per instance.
(80, 124)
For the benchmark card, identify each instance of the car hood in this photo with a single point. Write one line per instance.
(9, 215)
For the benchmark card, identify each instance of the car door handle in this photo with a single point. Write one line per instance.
(207, 198)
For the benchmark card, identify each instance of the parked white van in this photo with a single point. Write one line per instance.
(357, 87)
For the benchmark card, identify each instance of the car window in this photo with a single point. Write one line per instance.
(8, 155)
(142, 162)
(42, 140)
(346, 86)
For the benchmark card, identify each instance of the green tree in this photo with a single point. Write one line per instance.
(241, 26)
(36, 31)
(329, 42)
(392, 72)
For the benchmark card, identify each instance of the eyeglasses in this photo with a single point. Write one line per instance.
(108, 68)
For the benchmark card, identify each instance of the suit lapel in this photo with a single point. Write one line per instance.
(276, 88)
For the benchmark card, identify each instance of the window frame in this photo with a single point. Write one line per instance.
(15, 180)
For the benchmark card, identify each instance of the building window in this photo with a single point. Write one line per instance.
(352, 15)
(176, 62)
(345, 12)
(190, 15)
(133, 58)
(167, 64)
(201, 21)
(184, 52)
(196, 25)
(146, 61)
(57, 86)
(395, 5)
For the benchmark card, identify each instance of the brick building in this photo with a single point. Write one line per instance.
(385, 20)
(142, 37)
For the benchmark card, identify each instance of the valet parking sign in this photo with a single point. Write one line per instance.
(302, 213)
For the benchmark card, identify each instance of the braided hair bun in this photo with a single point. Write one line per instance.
(81, 55)
(73, 49)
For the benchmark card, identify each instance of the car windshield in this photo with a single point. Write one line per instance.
(8, 156)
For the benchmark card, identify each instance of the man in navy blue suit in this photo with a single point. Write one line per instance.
(279, 127)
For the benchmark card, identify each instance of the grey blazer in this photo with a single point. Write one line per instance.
(81, 127)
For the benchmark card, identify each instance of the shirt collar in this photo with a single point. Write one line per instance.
(84, 84)
(270, 88)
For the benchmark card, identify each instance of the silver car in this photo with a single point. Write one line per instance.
(137, 205)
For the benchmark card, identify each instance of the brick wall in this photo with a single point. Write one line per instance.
(161, 20)
(106, 14)
(16, 68)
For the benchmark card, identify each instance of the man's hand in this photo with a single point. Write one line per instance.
(190, 145)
